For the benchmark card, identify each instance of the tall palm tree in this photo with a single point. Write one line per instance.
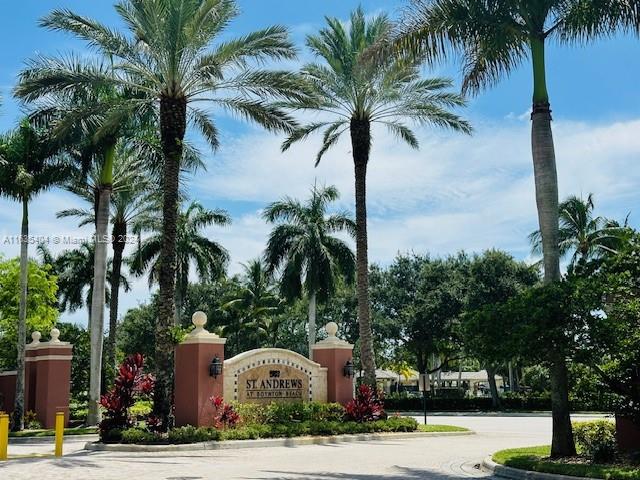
(255, 302)
(303, 248)
(28, 169)
(355, 92)
(210, 258)
(494, 38)
(582, 235)
(131, 198)
(168, 58)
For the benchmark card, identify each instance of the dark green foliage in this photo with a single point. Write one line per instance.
(138, 436)
(189, 434)
(281, 413)
(136, 331)
(596, 439)
(515, 402)
(79, 338)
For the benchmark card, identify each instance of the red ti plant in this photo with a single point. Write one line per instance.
(367, 406)
(130, 383)
(225, 415)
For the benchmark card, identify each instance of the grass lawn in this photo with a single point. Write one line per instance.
(441, 428)
(537, 459)
(51, 433)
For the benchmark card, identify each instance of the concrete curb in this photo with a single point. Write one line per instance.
(488, 465)
(267, 442)
(51, 439)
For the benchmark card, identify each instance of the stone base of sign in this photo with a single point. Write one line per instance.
(194, 386)
(334, 353)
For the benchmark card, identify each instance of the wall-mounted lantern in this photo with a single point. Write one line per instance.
(348, 369)
(215, 368)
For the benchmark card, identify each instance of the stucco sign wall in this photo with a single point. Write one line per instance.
(274, 375)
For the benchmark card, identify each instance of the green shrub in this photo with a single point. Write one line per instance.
(278, 413)
(137, 435)
(251, 413)
(141, 408)
(596, 439)
(112, 436)
(324, 412)
(190, 434)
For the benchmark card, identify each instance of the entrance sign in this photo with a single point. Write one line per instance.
(268, 375)
(269, 383)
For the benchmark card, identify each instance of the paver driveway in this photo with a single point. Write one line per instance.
(443, 458)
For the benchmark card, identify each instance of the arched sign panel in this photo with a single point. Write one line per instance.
(274, 375)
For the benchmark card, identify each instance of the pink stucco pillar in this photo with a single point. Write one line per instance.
(194, 385)
(334, 353)
(48, 378)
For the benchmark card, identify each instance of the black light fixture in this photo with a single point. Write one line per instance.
(215, 368)
(348, 369)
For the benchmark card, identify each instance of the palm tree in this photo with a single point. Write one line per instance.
(209, 257)
(28, 170)
(582, 235)
(356, 92)
(254, 303)
(168, 59)
(131, 198)
(494, 38)
(303, 248)
(74, 271)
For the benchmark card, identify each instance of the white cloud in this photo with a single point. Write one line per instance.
(455, 193)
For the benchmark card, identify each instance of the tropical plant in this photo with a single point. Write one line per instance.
(354, 91)
(209, 257)
(41, 311)
(167, 59)
(303, 248)
(28, 170)
(582, 235)
(367, 406)
(74, 272)
(494, 38)
(130, 383)
(254, 303)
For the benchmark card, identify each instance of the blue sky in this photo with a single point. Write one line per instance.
(455, 193)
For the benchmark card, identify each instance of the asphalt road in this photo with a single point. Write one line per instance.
(438, 458)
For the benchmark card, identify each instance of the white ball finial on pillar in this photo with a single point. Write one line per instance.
(331, 328)
(55, 334)
(35, 337)
(199, 320)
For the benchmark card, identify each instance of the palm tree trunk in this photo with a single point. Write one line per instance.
(97, 303)
(312, 323)
(181, 289)
(546, 182)
(18, 411)
(493, 388)
(361, 143)
(119, 234)
(173, 115)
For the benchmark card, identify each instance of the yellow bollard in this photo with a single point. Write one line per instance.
(59, 433)
(4, 436)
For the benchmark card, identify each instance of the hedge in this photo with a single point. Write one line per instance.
(527, 403)
(191, 434)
